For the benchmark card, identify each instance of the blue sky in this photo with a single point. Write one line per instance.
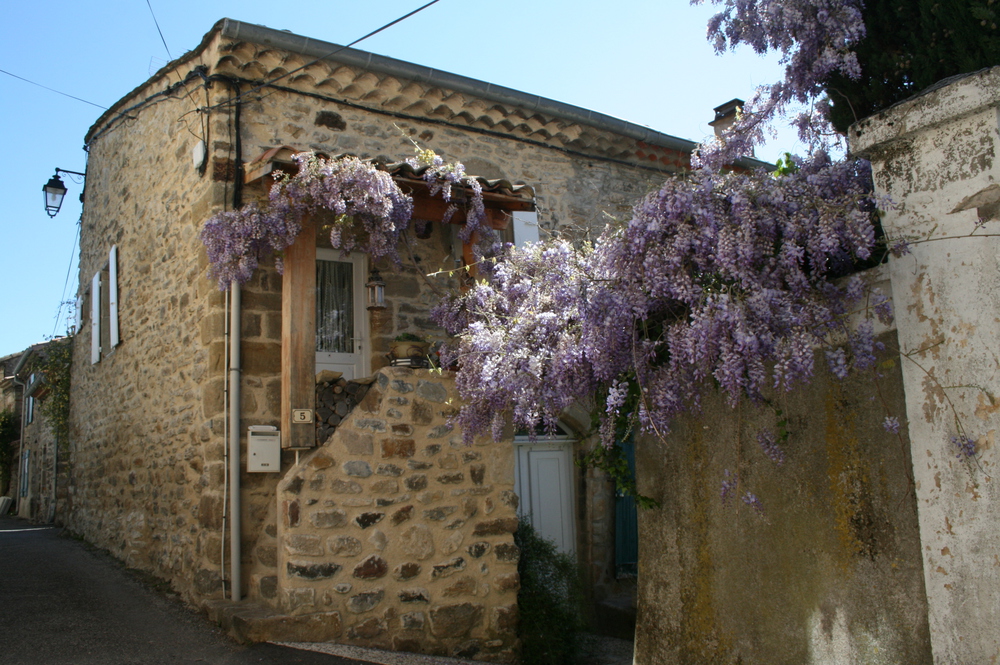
(645, 61)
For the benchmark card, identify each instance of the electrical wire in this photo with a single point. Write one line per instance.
(331, 53)
(2, 71)
(157, 24)
(69, 268)
(156, 97)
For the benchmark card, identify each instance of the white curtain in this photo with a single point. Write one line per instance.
(334, 307)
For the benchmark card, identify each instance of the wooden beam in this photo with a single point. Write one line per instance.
(433, 209)
(298, 340)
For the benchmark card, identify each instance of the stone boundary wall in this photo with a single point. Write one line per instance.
(828, 572)
(398, 533)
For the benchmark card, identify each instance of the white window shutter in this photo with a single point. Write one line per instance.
(78, 314)
(113, 295)
(525, 227)
(95, 319)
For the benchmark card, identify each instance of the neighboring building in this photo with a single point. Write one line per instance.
(37, 470)
(390, 532)
(10, 403)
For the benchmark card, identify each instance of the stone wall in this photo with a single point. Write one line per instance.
(143, 448)
(935, 156)
(828, 572)
(38, 439)
(398, 533)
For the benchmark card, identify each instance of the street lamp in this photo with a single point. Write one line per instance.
(54, 191)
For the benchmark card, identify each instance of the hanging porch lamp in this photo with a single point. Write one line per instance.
(376, 290)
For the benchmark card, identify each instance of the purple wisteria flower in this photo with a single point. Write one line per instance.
(769, 444)
(370, 213)
(717, 280)
(966, 446)
(899, 248)
(752, 500)
(814, 38)
(891, 424)
(729, 482)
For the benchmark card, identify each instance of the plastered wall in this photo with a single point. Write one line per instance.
(935, 157)
(827, 571)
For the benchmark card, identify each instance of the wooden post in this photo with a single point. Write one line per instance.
(298, 341)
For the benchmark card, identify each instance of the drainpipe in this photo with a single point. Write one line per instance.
(235, 512)
(235, 315)
(55, 479)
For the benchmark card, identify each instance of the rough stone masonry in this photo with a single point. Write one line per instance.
(399, 533)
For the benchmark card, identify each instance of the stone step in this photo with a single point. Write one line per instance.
(249, 622)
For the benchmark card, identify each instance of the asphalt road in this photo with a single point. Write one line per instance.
(64, 602)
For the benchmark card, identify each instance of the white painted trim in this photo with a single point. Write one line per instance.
(362, 340)
(113, 294)
(95, 319)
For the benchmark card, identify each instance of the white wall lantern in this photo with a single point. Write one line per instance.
(376, 290)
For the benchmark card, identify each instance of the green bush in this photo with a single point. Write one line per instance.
(549, 601)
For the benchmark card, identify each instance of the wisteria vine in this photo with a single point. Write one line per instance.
(717, 280)
(815, 39)
(363, 206)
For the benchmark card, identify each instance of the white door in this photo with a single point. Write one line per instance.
(341, 324)
(543, 477)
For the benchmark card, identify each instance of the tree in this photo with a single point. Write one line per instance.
(910, 45)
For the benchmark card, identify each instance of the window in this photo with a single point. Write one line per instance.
(104, 334)
(341, 321)
(525, 226)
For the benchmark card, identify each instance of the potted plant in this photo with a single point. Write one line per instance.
(408, 347)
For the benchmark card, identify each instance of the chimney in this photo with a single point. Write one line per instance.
(725, 115)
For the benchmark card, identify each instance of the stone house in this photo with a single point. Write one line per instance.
(374, 525)
(37, 474)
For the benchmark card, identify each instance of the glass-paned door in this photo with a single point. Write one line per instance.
(341, 327)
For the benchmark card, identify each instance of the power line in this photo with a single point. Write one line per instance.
(69, 268)
(2, 71)
(331, 53)
(157, 24)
